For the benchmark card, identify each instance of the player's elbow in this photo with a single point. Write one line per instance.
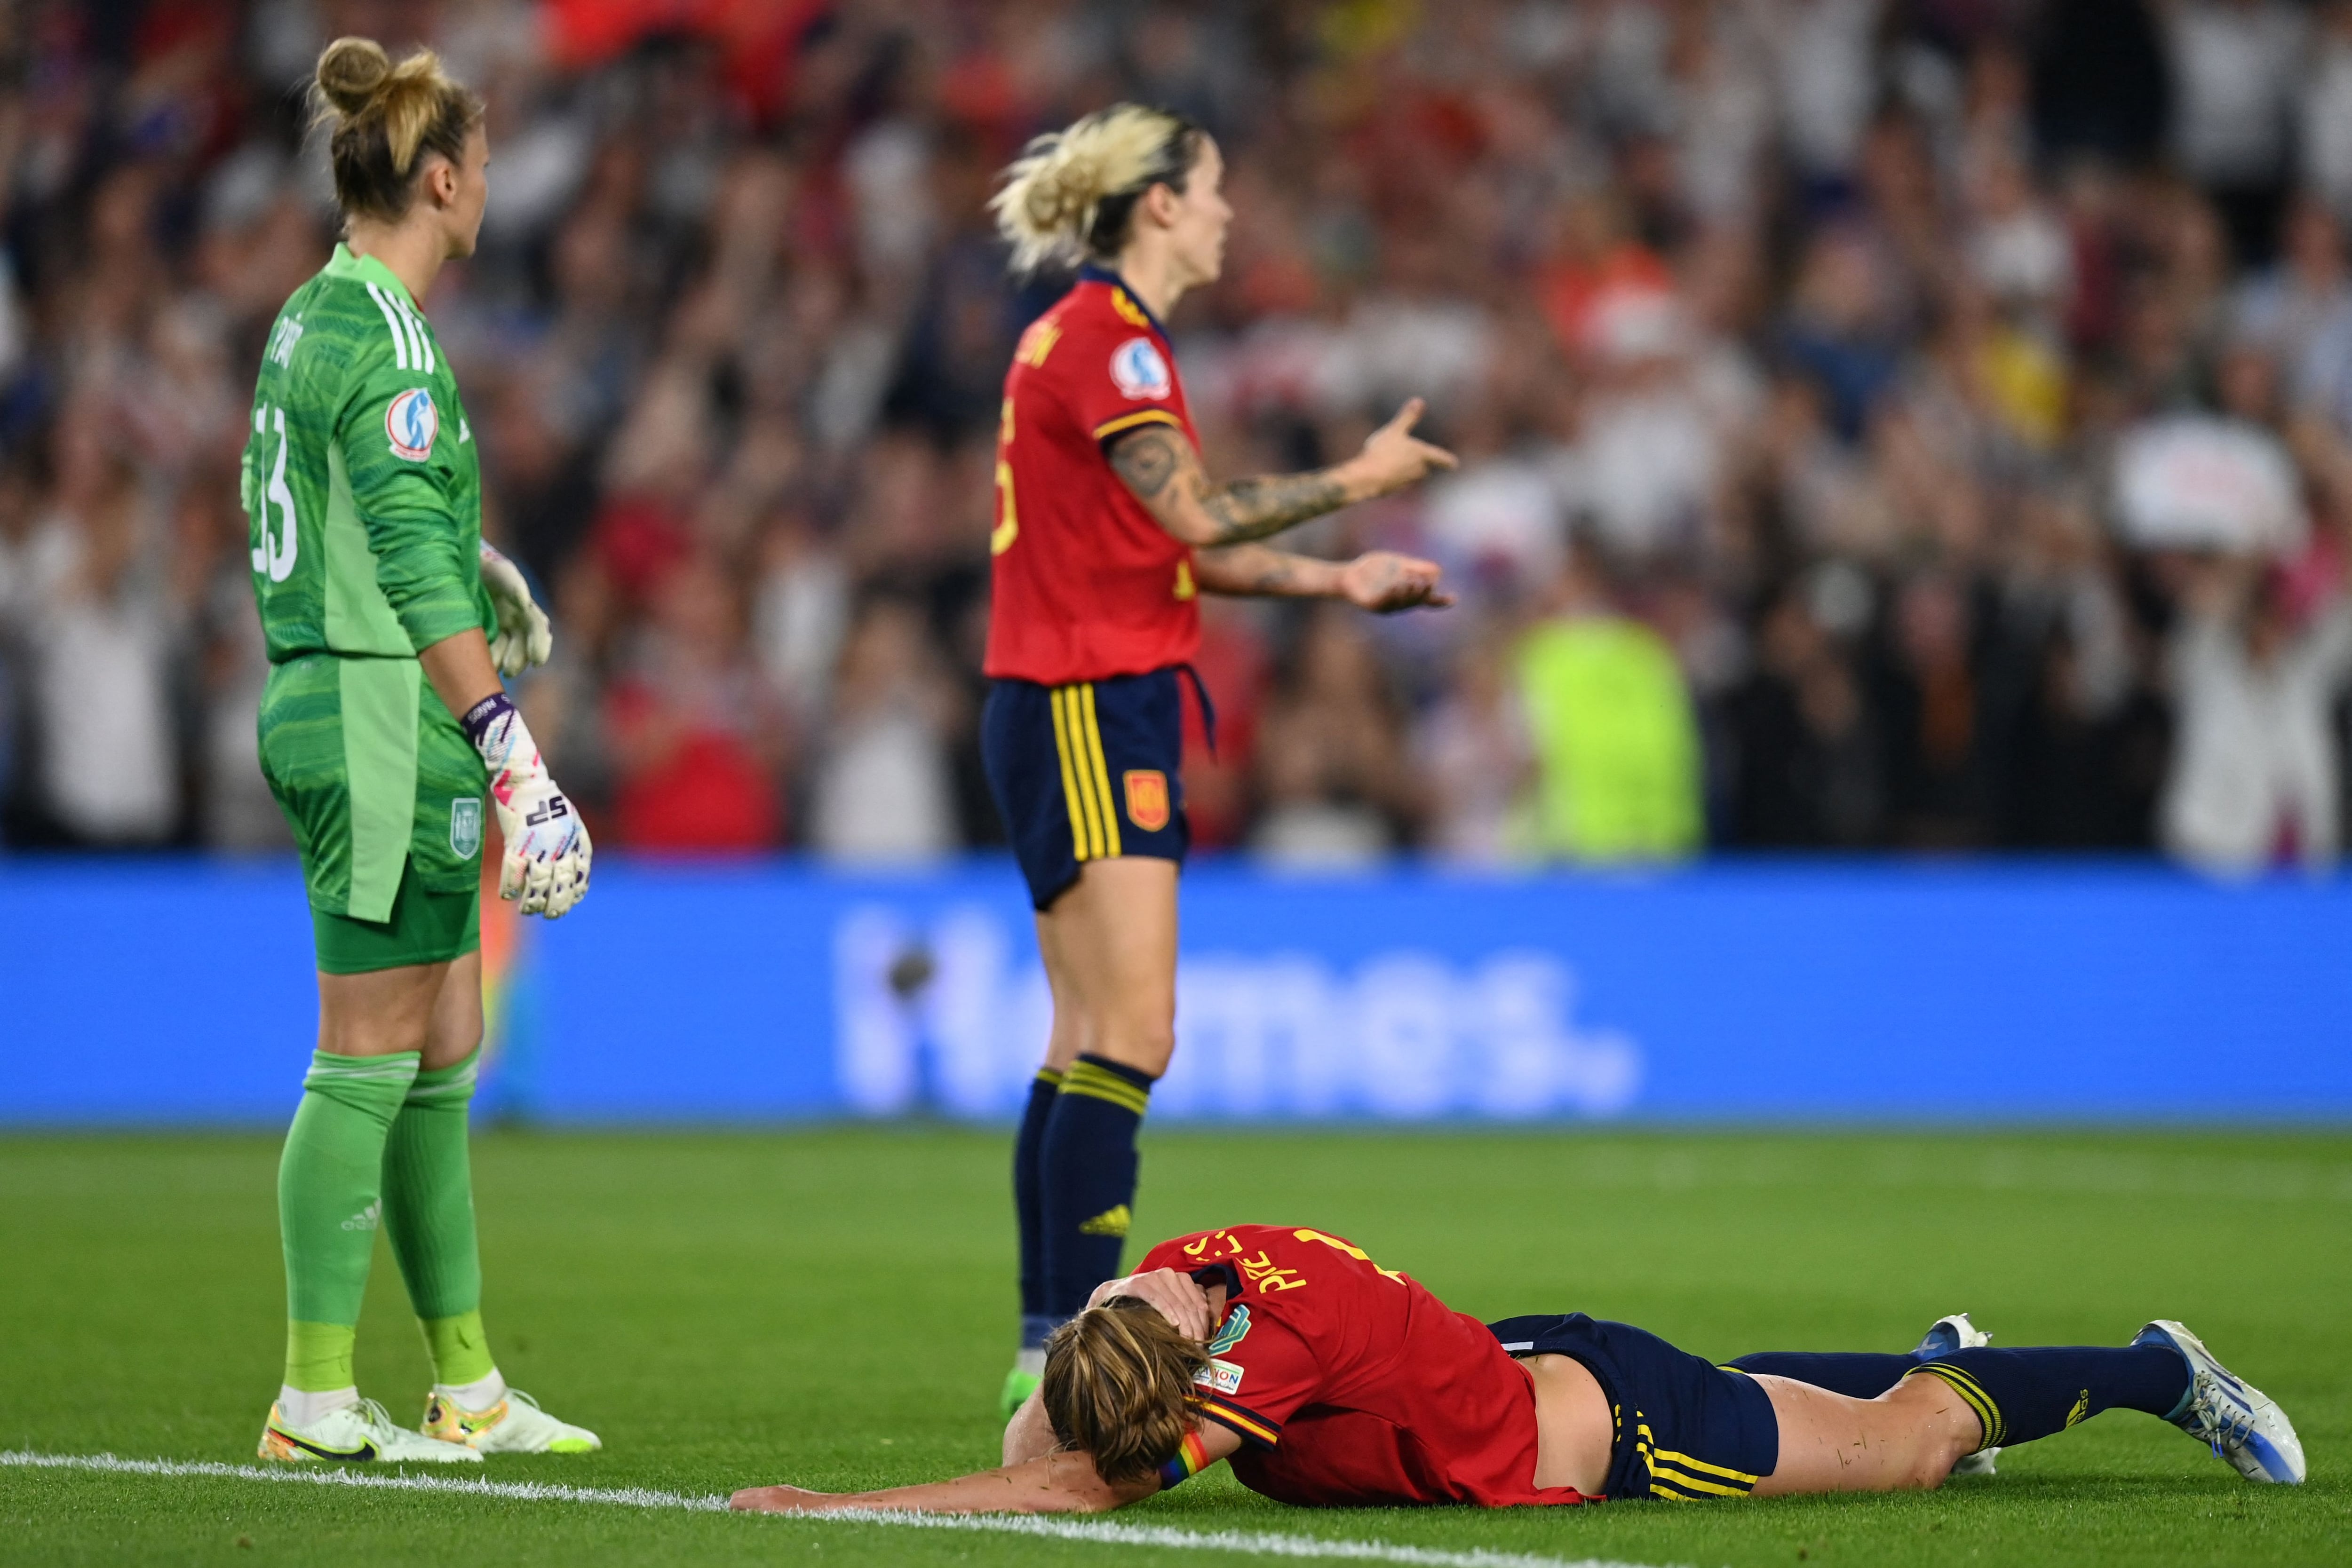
(1109, 1496)
(1190, 526)
(1022, 1443)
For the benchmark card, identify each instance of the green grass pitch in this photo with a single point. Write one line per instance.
(835, 1307)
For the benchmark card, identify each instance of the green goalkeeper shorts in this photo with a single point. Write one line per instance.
(380, 785)
(425, 928)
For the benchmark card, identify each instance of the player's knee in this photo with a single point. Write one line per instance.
(1144, 1044)
(1933, 1460)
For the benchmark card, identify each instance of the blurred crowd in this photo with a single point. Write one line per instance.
(1886, 423)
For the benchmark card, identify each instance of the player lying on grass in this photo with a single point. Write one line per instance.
(1329, 1381)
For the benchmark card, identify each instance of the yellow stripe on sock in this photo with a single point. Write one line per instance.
(1085, 839)
(1125, 1097)
(1087, 1079)
(1972, 1394)
(1048, 1075)
(1102, 773)
(1988, 1410)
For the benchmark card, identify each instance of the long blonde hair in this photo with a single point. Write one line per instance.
(1117, 1377)
(381, 116)
(1072, 192)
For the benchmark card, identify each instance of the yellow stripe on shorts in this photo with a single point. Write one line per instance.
(1101, 772)
(1700, 1467)
(1085, 838)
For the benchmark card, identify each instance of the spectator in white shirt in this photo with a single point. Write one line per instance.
(102, 632)
(2254, 766)
(2235, 66)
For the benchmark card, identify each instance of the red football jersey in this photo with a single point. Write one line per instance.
(1351, 1384)
(1086, 584)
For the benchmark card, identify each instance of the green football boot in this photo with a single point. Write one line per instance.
(1028, 1371)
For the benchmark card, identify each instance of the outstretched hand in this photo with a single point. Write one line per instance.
(1393, 457)
(1384, 581)
(786, 1500)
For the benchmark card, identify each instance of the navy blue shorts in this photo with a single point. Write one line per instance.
(1685, 1428)
(1087, 771)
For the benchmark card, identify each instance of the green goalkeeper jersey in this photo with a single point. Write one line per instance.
(361, 488)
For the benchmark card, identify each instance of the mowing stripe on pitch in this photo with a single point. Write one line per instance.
(1251, 1543)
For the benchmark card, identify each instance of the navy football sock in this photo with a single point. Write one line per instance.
(1028, 1207)
(1859, 1375)
(1087, 1178)
(2021, 1394)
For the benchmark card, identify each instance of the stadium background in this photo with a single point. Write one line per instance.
(1958, 393)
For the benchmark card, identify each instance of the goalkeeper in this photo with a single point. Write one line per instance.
(383, 728)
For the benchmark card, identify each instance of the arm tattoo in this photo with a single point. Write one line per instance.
(1253, 509)
(1254, 570)
(1161, 468)
(1148, 459)
(1271, 574)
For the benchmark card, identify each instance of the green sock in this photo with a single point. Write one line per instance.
(428, 1202)
(319, 1355)
(330, 1202)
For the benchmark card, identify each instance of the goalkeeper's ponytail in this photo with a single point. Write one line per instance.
(382, 120)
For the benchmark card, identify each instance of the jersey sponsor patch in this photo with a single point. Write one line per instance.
(1137, 370)
(466, 826)
(1222, 1376)
(411, 422)
(1147, 799)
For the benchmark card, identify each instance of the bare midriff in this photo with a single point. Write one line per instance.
(1574, 1434)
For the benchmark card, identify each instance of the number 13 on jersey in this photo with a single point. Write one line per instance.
(274, 557)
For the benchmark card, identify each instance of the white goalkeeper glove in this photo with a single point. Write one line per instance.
(524, 637)
(546, 863)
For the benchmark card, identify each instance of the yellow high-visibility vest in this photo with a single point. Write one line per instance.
(1616, 745)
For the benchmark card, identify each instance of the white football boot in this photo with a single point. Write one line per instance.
(515, 1424)
(1947, 1336)
(356, 1434)
(2237, 1420)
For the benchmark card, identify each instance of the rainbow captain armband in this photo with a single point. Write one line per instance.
(1192, 1459)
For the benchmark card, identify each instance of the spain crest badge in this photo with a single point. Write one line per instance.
(1147, 799)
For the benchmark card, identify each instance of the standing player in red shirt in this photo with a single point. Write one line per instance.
(1329, 1381)
(1107, 531)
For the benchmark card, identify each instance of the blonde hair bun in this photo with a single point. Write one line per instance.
(1054, 193)
(350, 73)
(379, 116)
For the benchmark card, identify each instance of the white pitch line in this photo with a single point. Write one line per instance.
(1251, 1544)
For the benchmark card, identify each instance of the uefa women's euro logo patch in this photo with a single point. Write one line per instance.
(411, 422)
(1136, 368)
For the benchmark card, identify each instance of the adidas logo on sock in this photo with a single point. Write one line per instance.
(368, 1218)
(1109, 1222)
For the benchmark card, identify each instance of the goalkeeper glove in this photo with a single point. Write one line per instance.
(524, 636)
(546, 863)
